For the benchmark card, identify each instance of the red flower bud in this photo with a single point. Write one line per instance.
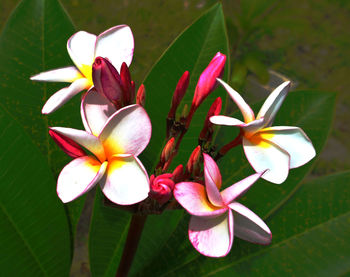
(207, 81)
(127, 84)
(215, 109)
(178, 173)
(70, 147)
(167, 150)
(161, 188)
(193, 165)
(179, 93)
(141, 96)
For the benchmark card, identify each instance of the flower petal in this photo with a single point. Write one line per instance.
(294, 141)
(83, 138)
(95, 110)
(212, 180)
(247, 112)
(127, 131)
(238, 189)
(225, 120)
(116, 44)
(65, 74)
(63, 95)
(81, 47)
(193, 198)
(248, 226)
(78, 177)
(126, 181)
(264, 155)
(273, 103)
(212, 237)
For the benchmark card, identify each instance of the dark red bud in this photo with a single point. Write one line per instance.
(70, 147)
(178, 173)
(141, 96)
(167, 150)
(215, 109)
(179, 93)
(128, 87)
(161, 188)
(193, 165)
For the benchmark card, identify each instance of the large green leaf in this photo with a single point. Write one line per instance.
(34, 40)
(34, 233)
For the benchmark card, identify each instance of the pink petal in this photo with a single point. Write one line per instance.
(78, 177)
(238, 189)
(294, 141)
(65, 74)
(248, 226)
(212, 237)
(70, 147)
(127, 181)
(264, 155)
(225, 120)
(193, 198)
(273, 103)
(95, 110)
(212, 180)
(83, 138)
(127, 131)
(247, 112)
(116, 44)
(62, 96)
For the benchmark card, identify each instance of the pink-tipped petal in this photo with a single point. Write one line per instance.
(248, 226)
(273, 103)
(83, 138)
(126, 182)
(193, 198)
(127, 131)
(238, 189)
(294, 141)
(63, 95)
(78, 177)
(225, 120)
(81, 47)
(212, 237)
(116, 44)
(212, 180)
(95, 110)
(65, 74)
(264, 155)
(247, 112)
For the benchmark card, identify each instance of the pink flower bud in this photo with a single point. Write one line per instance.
(127, 84)
(167, 150)
(141, 96)
(107, 81)
(215, 109)
(178, 173)
(70, 147)
(161, 188)
(207, 81)
(193, 165)
(179, 93)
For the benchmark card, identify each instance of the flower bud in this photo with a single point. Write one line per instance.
(69, 147)
(179, 93)
(127, 85)
(161, 188)
(107, 81)
(178, 173)
(167, 150)
(193, 165)
(141, 96)
(207, 81)
(215, 109)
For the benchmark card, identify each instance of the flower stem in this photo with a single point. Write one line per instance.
(135, 230)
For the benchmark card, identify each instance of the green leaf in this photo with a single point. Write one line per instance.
(34, 40)
(34, 233)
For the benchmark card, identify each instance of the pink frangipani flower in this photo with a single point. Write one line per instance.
(278, 148)
(114, 165)
(116, 44)
(216, 216)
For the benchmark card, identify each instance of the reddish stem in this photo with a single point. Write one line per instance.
(229, 146)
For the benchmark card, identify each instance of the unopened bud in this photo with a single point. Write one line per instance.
(167, 150)
(179, 93)
(141, 96)
(161, 188)
(178, 173)
(184, 113)
(69, 147)
(193, 165)
(215, 109)
(128, 87)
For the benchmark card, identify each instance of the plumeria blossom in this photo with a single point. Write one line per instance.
(116, 44)
(123, 179)
(277, 148)
(216, 216)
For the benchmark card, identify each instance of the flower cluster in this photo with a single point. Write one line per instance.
(118, 129)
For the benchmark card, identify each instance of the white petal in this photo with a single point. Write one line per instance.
(126, 181)
(127, 131)
(294, 141)
(65, 74)
(225, 120)
(116, 44)
(78, 177)
(247, 112)
(85, 139)
(212, 237)
(81, 48)
(248, 226)
(263, 155)
(253, 126)
(273, 103)
(64, 95)
(95, 110)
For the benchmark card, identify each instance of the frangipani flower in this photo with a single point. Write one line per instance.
(115, 164)
(116, 44)
(216, 216)
(278, 148)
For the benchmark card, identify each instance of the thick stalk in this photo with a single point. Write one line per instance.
(132, 241)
